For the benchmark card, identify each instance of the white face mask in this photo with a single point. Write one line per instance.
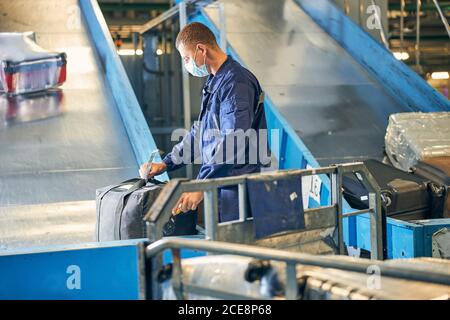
(192, 68)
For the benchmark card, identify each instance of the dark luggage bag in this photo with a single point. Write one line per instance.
(121, 209)
(437, 171)
(404, 196)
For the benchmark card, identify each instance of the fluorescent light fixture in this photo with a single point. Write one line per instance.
(139, 52)
(126, 52)
(401, 55)
(440, 75)
(159, 52)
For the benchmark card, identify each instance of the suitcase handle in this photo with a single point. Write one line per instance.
(138, 182)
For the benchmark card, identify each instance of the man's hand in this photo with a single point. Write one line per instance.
(188, 201)
(156, 169)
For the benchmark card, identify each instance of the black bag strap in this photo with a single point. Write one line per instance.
(138, 183)
(102, 195)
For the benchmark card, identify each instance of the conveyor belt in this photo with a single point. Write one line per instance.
(338, 110)
(62, 159)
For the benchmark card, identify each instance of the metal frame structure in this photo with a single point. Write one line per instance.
(241, 231)
(290, 259)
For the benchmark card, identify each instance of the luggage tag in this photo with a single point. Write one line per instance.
(149, 168)
(150, 160)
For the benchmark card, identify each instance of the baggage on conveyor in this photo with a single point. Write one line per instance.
(122, 207)
(414, 136)
(405, 196)
(437, 171)
(26, 67)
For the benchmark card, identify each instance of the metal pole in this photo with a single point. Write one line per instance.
(443, 18)
(376, 243)
(402, 21)
(242, 201)
(186, 87)
(419, 4)
(291, 281)
(336, 198)
(211, 213)
(177, 274)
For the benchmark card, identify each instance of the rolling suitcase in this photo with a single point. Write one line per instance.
(404, 196)
(25, 67)
(437, 170)
(121, 209)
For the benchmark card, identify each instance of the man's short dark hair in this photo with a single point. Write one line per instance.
(195, 33)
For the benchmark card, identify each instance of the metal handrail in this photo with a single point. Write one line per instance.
(161, 209)
(291, 259)
(443, 18)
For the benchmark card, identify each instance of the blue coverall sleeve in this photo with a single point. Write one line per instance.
(236, 112)
(183, 152)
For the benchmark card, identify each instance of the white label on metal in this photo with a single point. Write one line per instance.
(293, 196)
(316, 184)
(306, 185)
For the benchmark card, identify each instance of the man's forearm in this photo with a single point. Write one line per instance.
(171, 166)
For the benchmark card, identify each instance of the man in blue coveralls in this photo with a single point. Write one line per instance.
(229, 106)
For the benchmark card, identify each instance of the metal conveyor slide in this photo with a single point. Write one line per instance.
(49, 169)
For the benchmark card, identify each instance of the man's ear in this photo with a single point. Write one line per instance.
(202, 48)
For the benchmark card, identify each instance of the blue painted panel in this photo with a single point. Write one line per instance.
(398, 79)
(126, 101)
(402, 239)
(103, 271)
(350, 230)
(107, 270)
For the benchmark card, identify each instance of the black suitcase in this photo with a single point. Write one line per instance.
(404, 196)
(437, 170)
(121, 209)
